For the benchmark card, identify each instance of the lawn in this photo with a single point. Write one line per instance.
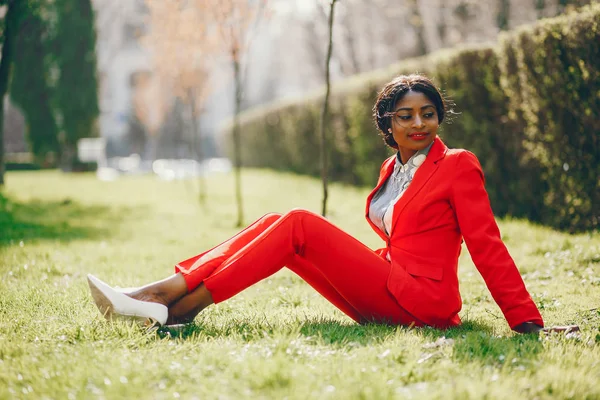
(279, 339)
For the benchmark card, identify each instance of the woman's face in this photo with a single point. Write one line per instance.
(414, 124)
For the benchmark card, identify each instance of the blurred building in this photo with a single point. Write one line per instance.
(121, 61)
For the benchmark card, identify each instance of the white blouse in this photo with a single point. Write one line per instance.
(381, 208)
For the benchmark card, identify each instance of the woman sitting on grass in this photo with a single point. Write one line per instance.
(427, 199)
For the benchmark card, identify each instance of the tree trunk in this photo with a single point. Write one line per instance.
(350, 42)
(540, 6)
(237, 150)
(419, 26)
(324, 114)
(68, 154)
(442, 27)
(12, 18)
(197, 146)
(502, 18)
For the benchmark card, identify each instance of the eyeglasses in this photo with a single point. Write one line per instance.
(408, 120)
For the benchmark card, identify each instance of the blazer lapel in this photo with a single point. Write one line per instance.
(423, 174)
(386, 170)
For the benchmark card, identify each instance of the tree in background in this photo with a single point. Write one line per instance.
(173, 140)
(149, 100)
(54, 77)
(236, 22)
(314, 30)
(136, 137)
(324, 113)
(74, 57)
(183, 49)
(29, 88)
(15, 10)
(416, 21)
(502, 17)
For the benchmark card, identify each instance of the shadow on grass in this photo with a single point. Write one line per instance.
(514, 350)
(472, 341)
(332, 332)
(328, 331)
(63, 220)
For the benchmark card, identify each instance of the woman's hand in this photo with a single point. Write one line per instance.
(530, 327)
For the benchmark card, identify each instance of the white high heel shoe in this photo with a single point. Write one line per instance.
(112, 302)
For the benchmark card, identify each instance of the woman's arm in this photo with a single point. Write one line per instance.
(476, 221)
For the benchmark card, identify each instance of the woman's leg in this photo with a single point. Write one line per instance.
(188, 306)
(186, 309)
(196, 268)
(341, 268)
(176, 292)
(166, 291)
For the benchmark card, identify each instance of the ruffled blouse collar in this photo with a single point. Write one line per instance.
(415, 160)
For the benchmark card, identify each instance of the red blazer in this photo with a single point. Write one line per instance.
(446, 202)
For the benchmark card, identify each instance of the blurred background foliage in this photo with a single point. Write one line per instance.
(527, 106)
(54, 75)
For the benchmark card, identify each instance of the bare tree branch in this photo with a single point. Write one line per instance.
(236, 22)
(183, 46)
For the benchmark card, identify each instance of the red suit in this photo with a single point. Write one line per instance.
(445, 202)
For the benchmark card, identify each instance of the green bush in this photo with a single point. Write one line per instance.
(13, 166)
(481, 124)
(527, 107)
(556, 67)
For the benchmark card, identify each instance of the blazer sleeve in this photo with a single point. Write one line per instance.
(482, 236)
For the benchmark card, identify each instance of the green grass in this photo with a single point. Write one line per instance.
(278, 339)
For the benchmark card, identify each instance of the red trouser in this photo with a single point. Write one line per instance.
(345, 271)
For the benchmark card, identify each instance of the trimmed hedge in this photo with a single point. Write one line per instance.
(528, 106)
(556, 98)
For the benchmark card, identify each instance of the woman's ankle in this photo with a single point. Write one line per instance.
(145, 295)
(166, 291)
